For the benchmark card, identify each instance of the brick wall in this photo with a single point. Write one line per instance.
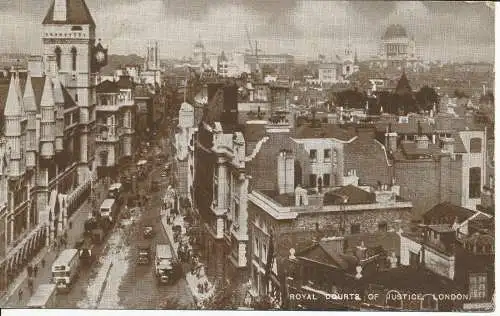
(428, 182)
(368, 158)
(299, 233)
(264, 167)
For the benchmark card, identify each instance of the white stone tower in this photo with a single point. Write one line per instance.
(68, 33)
(15, 127)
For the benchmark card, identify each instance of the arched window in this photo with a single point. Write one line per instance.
(57, 51)
(73, 58)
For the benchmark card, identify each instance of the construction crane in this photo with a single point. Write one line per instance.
(254, 52)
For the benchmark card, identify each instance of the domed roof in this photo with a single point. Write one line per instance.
(394, 31)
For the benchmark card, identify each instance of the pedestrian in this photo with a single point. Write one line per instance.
(43, 263)
(35, 270)
(30, 285)
(20, 294)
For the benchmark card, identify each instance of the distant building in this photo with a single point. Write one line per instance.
(397, 50)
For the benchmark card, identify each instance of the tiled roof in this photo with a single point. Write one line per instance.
(125, 83)
(107, 87)
(77, 12)
(353, 194)
(416, 280)
(410, 149)
(324, 131)
(68, 100)
(447, 210)
(389, 241)
(441, 228)
(38, 83)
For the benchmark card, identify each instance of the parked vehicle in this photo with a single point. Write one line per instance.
(44, 297)
(144, 253)
(65, 269)
(163, 263)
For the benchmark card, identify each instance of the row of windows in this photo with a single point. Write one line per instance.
(58, 53)
(321, 181)
(327, 154)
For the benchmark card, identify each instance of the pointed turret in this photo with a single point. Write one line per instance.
(14, 114)
(14, 99)
(30, 109)
(47, 123)
(403, 86)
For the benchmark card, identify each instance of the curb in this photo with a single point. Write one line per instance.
(103, 286)
(192, 288)
(22, 277)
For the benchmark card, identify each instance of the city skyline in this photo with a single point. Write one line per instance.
(303, 28)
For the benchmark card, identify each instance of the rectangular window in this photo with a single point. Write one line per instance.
(475, 145)
(327, 153)
(312, 180)
(326, 179)
(355, 228)
(313, 155)
(382, 227)
(256, 247)
(477, 286)
(475, 182)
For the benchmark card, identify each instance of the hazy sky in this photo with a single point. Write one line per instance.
(443, 30)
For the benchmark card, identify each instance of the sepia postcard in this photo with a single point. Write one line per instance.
(247, 155)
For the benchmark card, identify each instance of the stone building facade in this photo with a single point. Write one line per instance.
(46, 161)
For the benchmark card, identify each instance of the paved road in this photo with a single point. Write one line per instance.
(138, 289)
(44, 274)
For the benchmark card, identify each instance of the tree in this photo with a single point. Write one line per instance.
(426, 97)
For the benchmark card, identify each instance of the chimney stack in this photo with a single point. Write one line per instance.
(286, 172)
(448, 145)
(391, 139)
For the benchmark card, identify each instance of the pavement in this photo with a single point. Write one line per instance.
(191, 279)
(11, 299)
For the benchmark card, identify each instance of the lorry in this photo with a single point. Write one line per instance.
(163, 263)
(44, 297)
(65, 269)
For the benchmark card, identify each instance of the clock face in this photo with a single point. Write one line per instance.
(100, 57)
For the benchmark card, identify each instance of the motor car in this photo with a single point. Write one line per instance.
(148, 231)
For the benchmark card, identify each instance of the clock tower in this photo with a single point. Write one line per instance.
(68, 34)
